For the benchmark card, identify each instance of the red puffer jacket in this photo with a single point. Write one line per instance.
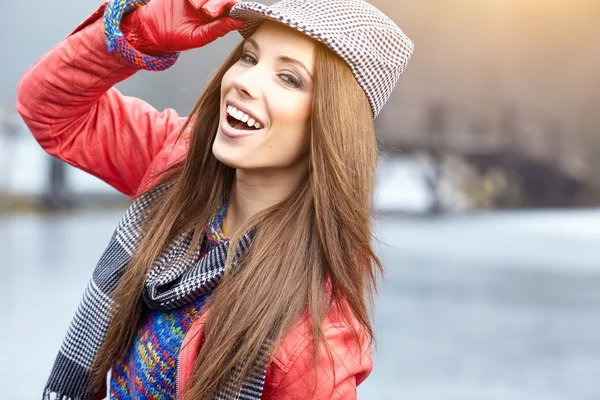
(68, 101)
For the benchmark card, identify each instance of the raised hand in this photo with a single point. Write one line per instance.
(167, 26)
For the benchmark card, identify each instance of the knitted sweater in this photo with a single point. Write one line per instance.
(149, 369)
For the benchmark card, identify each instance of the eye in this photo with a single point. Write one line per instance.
(291, 78)
(243, 57)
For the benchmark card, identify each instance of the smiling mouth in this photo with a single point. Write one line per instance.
(239, 125)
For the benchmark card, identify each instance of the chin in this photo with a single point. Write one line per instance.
(228, 156)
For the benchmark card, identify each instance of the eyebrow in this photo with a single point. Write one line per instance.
(282, 58)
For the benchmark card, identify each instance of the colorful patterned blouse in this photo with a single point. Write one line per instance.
(149, 370)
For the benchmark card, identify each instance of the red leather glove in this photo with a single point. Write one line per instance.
(166, 26)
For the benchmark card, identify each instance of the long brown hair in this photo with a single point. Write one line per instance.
(320, 233)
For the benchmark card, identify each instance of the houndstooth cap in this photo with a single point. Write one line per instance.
(371, 43)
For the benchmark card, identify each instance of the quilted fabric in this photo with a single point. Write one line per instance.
(68, 101)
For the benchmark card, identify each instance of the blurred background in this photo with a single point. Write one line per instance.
(487, 197)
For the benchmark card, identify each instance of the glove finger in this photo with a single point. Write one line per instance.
(215, 8)
(197, 4)
(213, 30)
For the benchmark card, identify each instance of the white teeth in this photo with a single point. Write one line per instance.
(242, 116)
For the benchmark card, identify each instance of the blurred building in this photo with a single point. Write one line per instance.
(508, 76)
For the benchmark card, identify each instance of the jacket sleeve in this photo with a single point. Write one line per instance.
(352, 363)
(68, 102)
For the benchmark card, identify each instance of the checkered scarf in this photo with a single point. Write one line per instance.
(176, 278)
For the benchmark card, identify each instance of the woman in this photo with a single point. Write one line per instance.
(276, 162)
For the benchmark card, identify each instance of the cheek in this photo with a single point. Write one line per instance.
(227, 81)
(292, 138)
(290, 135)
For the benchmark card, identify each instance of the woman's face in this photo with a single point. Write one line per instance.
(274, 91)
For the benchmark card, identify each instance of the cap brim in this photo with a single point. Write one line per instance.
(254, 13)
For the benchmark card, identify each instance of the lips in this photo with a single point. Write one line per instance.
(235, 133)
(245, 110)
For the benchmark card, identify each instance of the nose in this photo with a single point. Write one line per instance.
(247, 83)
